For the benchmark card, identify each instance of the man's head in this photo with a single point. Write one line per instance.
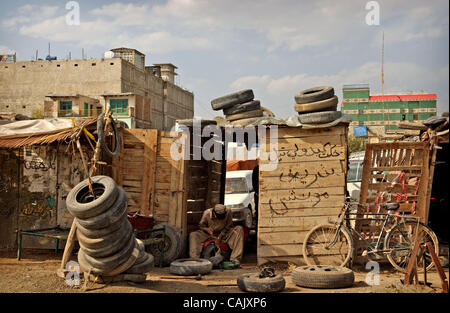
(220, 211)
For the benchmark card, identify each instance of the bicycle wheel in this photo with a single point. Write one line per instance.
(401, 240)
(319, 250)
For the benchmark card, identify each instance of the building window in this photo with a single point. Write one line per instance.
(119, 106)
(65, 108)
(85, 112)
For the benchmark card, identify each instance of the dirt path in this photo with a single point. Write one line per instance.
(36, 273)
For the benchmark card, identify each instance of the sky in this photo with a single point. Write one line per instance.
(277, 48)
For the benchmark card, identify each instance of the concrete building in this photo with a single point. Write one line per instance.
(385, 110)
(50, 87)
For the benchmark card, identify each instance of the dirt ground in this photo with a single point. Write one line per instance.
(36, 273)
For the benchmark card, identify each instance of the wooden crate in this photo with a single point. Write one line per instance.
(306, 189)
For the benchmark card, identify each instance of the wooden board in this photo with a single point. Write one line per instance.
(306, 189)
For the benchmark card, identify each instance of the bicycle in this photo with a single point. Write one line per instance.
(333, 244)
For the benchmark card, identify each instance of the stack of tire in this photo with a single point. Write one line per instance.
(317, 105)
(239, 108)
(108, 247)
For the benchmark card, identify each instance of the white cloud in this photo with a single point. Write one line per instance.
(6, 50)
(399, 77)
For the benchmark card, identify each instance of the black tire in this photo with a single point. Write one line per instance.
(117, 211)
(323, 276)
(127, 264)
(110, 262)
(108, 249)
(190, 122)
(244, 115)
(98, 233)
(172, 245)
(101, 136)
(323, 105)
(243, 107)
(252, 283)
(104, 241)
(193, 266)
(314, 94)
(143, 267)
(209, 251)
(80, 203)
(232, 99)
(319, 117)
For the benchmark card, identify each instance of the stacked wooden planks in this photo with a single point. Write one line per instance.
(306, 189)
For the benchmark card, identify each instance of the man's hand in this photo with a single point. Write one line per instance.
(209, 230)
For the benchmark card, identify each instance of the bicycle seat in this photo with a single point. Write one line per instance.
(391, 206)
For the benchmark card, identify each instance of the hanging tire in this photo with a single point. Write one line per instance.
(110, 262)
(314, 94)
(243, 107)
(97, 233)
(80, 202)
(323, 105)
(232, 99)
(114, 214)
(253, 283)
(109, 249)
(193, 266)
(248, 114)
(107, 240)
(319, 117)
(323, 276)
(172, 245)
(101, 136)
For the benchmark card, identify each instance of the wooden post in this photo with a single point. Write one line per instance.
(61, 271)
(438, 267)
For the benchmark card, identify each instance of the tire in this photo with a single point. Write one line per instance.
(323, 277)
(143, 267)
(243, 107)
(319, 117)
(117, 211)
(314, 94)
(403, 234)
(104, 241)
(110, 262)
(79, 200)
(339, 254)
(109, 249)
(98, 233)
(248, 114)
(232, 99)
(172, 245)
(101, 136)
(323, 105)
(125, 266)
(190, 122)
(252, 283)
(209, 251)
(245, 122)
(193, 266)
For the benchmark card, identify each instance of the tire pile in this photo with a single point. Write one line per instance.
(317, 105)
(107, 244)
(239, 108)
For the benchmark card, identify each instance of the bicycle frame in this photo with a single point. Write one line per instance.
(385, 217)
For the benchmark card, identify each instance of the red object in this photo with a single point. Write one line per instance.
(403, 97)
(140, 222)
(223, 246)
(240, 165)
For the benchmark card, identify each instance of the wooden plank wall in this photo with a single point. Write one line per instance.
(307, 188)
(383, 163)
(158, 185)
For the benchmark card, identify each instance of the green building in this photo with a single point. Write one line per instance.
(385, 110)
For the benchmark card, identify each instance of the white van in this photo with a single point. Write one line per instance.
(240, 197)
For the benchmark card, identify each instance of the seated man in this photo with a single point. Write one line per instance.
(217, 223)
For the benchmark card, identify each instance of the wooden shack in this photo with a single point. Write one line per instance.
(174, 192)
(306, 189)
